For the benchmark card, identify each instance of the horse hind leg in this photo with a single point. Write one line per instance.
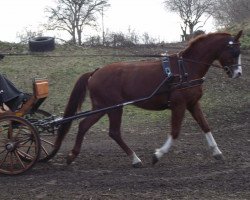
(115, 118)
(84, 126)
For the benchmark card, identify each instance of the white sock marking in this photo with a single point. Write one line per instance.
(212, 144)
(165, 148)
(135, 159)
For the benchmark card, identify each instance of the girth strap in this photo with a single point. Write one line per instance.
(188, 84)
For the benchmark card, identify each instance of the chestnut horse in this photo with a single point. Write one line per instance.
(125, 81)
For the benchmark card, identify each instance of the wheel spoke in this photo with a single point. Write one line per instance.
(4, 159)
(46, 141)
(2, 151)
(24, 154)
(3, 140)
(28, 146)
(44, 150)
(24, 141)
(19, 159)
(10, 130)
(11, 162)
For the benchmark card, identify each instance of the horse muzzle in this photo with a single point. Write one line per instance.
(233, 71)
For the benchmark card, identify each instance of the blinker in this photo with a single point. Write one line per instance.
(235, 51)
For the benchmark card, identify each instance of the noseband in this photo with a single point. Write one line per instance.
(229, 69)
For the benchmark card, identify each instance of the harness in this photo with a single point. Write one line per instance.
(182, 76)
(166, 66)
(176, 81)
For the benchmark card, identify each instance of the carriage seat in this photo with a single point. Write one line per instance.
(40, 93)
(17, 102)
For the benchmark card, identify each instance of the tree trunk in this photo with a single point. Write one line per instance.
(73, 37)
(79, 34)
(191, 28)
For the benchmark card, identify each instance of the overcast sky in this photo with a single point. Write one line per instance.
(140, 15)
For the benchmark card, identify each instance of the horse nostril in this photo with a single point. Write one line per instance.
(239, 73)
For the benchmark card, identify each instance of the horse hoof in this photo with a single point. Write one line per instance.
(70, 158)
(154, 159)
(219, 157)
(49, 156)
(137, 165)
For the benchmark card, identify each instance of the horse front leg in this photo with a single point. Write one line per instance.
(178, 112)
(198, 115)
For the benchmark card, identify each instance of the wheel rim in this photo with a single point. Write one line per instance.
(19, 145)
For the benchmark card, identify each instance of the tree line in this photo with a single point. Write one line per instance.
(73, 16)
(225, 12)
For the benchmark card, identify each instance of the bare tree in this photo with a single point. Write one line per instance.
(190, 12)
(147, 39)
(73, 15)
(27, 33)
(229, 12)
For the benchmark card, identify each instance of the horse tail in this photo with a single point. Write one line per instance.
(76, 99)
(77, 96)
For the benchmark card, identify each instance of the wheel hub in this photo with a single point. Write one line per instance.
(10, 146)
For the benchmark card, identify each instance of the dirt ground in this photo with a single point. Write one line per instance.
(188, 171)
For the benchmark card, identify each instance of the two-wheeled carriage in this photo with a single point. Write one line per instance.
(23, 141)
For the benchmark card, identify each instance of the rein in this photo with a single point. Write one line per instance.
(198, 62)
(109, 55)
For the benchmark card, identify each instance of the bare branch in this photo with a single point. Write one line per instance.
(73, 15)
(190, 12)
(229, 12)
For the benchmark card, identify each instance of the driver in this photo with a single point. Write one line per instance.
(9, 94)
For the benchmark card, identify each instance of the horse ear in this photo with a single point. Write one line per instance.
(237, 37)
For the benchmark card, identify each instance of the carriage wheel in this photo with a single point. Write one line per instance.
(19, 145)
(47, 134)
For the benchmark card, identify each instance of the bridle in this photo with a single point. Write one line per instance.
(235, 54)
(228, 69)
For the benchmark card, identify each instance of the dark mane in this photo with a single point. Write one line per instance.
(196, 40)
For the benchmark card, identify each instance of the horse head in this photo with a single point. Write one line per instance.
(230, 57)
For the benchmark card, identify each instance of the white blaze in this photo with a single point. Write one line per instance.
(238, 71)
